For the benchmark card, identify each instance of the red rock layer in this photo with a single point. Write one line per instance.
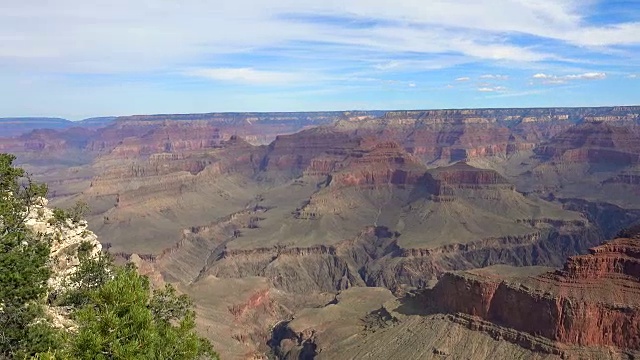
(170, 137)
(455, 141)
(443, 182)
(316, 150)
(464, 174)
(47, 140)
(620, 257)
(384, 163)
(593, 143)
(594, 300)
(162, 172)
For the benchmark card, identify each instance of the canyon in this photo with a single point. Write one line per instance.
(305, 235)
(592, 300)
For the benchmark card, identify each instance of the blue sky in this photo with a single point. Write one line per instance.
(76, 59)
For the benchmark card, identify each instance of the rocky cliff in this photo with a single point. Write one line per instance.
(10, 127)
(381, 163)
(314, 151)
(593, 300)
(594, 142)
(446, 135)
(68, 238)
(453, 135)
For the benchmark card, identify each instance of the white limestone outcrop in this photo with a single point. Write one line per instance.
(66, 238)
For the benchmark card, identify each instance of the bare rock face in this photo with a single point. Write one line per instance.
(445, 182)
(454, 135)
(594, 142)
(155, 196)
(381, 163)
(446, 135)
(48, 140)
(447, 139)
(462, 174)
(66, 239)
(594, 300)
(617, 258)
(115, 172)
(315, 150)
(170, 137)
(369, 323)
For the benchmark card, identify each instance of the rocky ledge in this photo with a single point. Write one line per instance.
(382, 163)
(594, 142)
(593, 301)
(68, 238)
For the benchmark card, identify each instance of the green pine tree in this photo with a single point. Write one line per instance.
(117, 314)
(24, 267)
(123, 320)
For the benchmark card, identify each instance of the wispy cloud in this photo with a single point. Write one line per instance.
(587, 76)
(492, 89)
(555, 79)
(121, 35)
(324, 44)
(247, 75)
(494, 77)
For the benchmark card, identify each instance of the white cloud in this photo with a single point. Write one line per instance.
(318, 43)
(246, 75)
(435, 62)
(618, 34)
(494, 77)
(542, 76)
(492, 89)
(587, 76)
(123, 36)
(633, 76)
(555, 79)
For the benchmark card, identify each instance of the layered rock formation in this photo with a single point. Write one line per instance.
(446, 135)
(337, 207)
(10, 127)
(453, 135)
(368, 323)
(407, 229)
(154, 198)
(588, 309)
(381, 163)
(593, 300)
(314, 151)
(595, 142)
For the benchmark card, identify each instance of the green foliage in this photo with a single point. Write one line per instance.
(92, 273)
(51, 355)
(84, 249)
(124, 321)
(74, 214)
(167, 306)
(24, 267)
(116, 313)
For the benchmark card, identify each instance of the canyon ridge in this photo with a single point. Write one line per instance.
(369, 234)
